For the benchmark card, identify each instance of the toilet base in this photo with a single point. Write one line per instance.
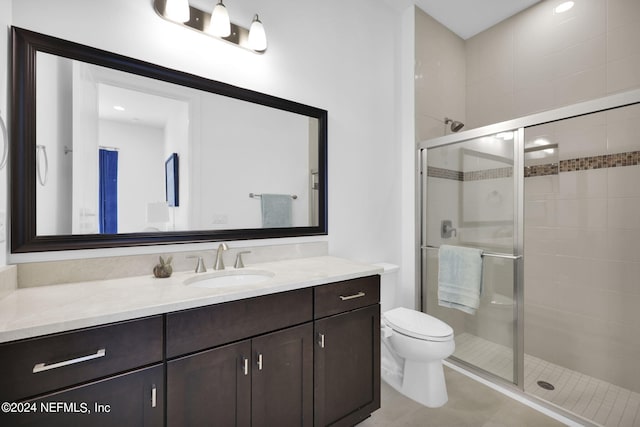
(424, 382)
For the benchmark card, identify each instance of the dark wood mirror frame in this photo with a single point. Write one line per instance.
(23, 148)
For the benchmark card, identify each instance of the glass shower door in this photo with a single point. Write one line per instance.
(470, 199)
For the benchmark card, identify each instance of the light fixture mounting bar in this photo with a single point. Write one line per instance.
(199, 21)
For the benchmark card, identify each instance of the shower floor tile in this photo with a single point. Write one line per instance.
(599, 401)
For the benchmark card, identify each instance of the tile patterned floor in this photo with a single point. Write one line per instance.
(599, 401)
(471, 404)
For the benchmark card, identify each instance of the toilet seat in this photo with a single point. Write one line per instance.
(418, 325)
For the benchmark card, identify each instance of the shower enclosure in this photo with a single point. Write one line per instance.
(553, 200)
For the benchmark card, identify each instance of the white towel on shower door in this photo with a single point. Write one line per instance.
(459, 278)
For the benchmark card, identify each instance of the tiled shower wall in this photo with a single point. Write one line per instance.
(539, 60)
(582, 246)
(439, 76)
(582, 227)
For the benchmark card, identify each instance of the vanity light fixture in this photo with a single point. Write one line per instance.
(220, 25)
(257, 36)
(216, 24)
(177, 10)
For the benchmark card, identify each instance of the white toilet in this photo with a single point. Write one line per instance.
(416, 344)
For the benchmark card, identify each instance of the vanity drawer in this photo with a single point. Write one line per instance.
(206, 327)
(344, 296)
(39, 365)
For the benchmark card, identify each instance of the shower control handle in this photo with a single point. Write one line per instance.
(446, 229)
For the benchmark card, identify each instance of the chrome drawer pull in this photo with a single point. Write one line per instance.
(260, 362)
(348, 297)
(321, 340)
(41, 367)
(245, 366)
(153, 396)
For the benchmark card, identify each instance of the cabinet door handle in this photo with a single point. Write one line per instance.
(245, 366)
(153, 396)
(321, 340)
(41, 367)
(348, 297)
(259, 361)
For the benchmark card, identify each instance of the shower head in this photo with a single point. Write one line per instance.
(455, 125)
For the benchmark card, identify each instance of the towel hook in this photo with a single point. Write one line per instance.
(42, 177)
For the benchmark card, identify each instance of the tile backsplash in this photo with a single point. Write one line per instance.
(80, 270)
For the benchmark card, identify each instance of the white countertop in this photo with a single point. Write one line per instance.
(42, 310)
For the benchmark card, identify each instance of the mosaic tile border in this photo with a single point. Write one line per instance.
(444, 173)
(469, 176)
(541, 170)
(631, 158)
(488, 174)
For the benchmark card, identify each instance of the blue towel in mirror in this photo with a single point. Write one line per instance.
(459, 278)
(276, 210)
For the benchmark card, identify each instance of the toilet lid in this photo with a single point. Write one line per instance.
(417, 324)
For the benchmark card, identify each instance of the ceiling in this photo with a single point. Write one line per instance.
(467, 18)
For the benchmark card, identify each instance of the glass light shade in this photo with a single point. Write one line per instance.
(257, 36)
(220, 24)
(177, 10)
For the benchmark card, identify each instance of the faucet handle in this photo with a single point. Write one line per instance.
(239, 263)
(200, 267)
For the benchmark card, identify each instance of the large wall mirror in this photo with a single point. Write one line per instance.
(111, 151)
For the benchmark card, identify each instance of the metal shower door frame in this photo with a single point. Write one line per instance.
(518, 126)
(518, 244)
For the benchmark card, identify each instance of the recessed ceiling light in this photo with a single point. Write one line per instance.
(563, 7)
(118, 107)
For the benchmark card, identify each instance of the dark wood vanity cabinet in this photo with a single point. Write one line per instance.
(103, 376)
(265, 379)
(210, 386)
(306, 357)
(298, 358)
(131, 399)
(347, 356)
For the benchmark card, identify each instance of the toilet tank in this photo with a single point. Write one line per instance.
(388, 286)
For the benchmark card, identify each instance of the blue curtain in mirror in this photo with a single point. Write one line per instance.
(108, 194)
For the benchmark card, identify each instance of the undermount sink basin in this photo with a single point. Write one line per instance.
(229, 278)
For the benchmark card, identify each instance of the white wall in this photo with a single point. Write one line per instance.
(339, 56)
(236, 159)
(53, 133)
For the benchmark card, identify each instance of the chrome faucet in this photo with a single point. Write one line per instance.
(239, 263)
(219, 264)
(200, 268)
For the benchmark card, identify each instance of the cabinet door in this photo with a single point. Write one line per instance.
(282, 389)
(211, 388)
(347, 367)
(133, 399)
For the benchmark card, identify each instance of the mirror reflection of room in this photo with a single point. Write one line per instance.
(107, 135)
